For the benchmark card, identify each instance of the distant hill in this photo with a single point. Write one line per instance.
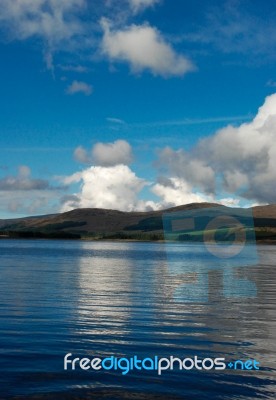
(96, 223)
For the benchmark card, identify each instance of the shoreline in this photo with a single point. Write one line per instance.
(6, 237)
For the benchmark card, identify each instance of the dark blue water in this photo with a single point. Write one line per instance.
(101, 299)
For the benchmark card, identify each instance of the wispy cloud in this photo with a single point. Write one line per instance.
(234, 27)
(73, 68)
(140, 5)
(115, 120)
(194, 121)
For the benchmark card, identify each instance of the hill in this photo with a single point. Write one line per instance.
(96, 223)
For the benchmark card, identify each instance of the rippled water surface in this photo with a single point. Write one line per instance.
(105, 298)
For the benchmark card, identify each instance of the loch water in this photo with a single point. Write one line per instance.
(102, 299)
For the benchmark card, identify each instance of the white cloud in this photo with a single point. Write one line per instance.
(54, 21)
(143, 47)
(79, 87)
(110, 154)
(175, 192)
(243, 158)
(138, 5)
(194, 171)
(114, 187)
(110, 184)
(118, 188)
(105, 154)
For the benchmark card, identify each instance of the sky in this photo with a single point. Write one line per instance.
(136, 104)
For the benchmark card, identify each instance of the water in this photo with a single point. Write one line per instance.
(104, 298)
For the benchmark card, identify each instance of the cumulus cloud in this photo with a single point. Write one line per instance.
(109, 183)
(242, 159)
(176, 191)
(195, 171)
(79, 87)
(119, 188)
(105, 154)
(114, 187)
(143, 47)
(109, 154)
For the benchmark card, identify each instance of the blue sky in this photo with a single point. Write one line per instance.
(168, 91)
